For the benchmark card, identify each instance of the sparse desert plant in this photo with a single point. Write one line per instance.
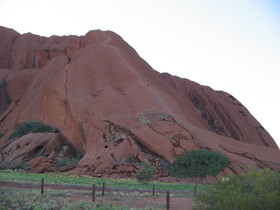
(5, 164)
(13, 165)
(17, 198)
(20, 165)
(29, 127)
(144, 120)
(69, 161)
(146, 173)
(199, 163)
(3, 133)
(75, 154)
(256, 189)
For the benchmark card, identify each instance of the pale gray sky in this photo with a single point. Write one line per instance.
(232, 46)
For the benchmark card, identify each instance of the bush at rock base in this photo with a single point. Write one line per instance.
(29, 127)
(199, 163)
(145, 174)
(69, 161)
(256, 189)
(13, 165)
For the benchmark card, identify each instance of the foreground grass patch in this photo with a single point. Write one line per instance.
(74, 179)
(69, 192)
(14, 198)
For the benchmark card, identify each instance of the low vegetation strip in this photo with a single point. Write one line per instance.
(11, 198)
(24, 195)
(81, 180)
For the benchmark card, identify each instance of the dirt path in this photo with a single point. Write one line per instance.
(117, 196)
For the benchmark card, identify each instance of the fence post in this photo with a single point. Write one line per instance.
(194, 190)
(93, 193)
(167, 200)
(42, 186)
(103, 188)
(153, 190)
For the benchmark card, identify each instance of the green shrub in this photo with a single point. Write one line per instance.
(199, 163)
(13, 165)
(3, 133)
(256, 189)
(69, 161)
(145, 174)
(29, 127)
(5, 164)
(20, 165)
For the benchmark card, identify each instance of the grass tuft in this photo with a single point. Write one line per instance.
(144, 120)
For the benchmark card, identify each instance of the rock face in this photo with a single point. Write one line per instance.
(116, 110)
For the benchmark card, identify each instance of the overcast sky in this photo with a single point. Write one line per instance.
(229, 45)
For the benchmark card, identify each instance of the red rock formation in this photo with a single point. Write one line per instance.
(116, 110)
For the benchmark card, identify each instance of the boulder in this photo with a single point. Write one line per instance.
(27, 146)
(42, 165)
(126, 168)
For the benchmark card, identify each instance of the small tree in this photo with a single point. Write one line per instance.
(146, 173)
(256, 189)
(199, 163)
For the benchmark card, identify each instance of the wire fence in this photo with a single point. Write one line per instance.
(103, 193)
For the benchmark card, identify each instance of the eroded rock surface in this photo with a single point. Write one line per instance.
(42, 151)
(116, 110)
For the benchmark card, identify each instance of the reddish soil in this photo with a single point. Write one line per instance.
(116, 196)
